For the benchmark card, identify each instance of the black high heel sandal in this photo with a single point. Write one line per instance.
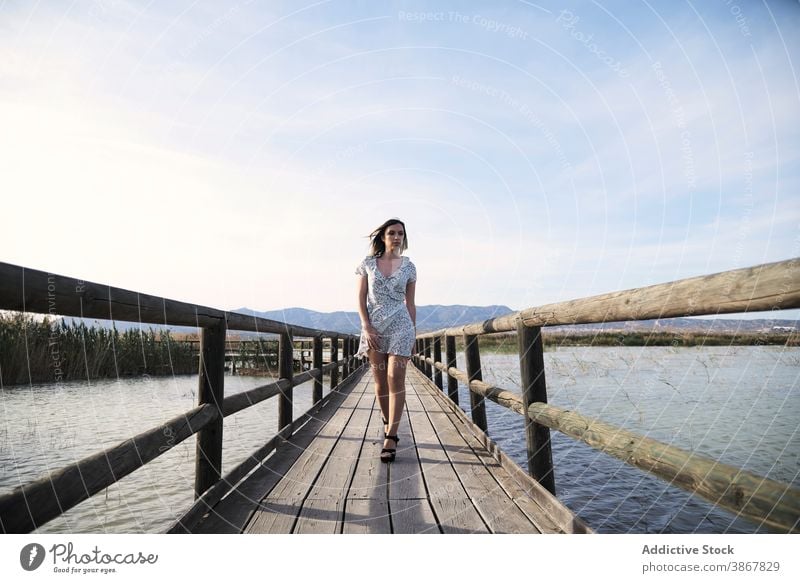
(388, 454)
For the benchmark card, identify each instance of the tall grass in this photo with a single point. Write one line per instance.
(41, 351)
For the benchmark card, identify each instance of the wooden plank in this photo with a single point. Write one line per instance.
(490, 499)
(760, 288)
(234, 511)
(539, 517)
(370, 476)
(450, 502)
(405, 478)
(363, 516)
(550, 514)
(414, 516)
(323, 510)
(321, 516)
(274, 516)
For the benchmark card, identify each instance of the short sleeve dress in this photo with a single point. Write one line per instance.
(386, 307)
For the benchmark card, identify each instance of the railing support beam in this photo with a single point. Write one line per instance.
(334, 358)
(437, 357)
(534, 390)
(208, 454)
(452, 382)
(477, 402)
(317, 363)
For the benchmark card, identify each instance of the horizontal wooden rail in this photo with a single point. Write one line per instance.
(30, 506)
(30, 290)
(766, 287)
(748, 495)
(214, 494)
(239, 401)
(34, 504)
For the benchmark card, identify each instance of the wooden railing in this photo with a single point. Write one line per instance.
(767, 287)
(25, 290)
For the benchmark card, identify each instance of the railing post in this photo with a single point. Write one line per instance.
(211, 390)
(477, 402)
(427, 344)
(346, 356)
(334, 358)
(534, 390)
(452, 382)
(285, 371)
(437, 357)
(317, 363)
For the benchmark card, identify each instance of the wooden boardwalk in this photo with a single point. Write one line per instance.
(328, 478)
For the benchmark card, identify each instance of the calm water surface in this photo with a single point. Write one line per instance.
(739, 405)
(736, 404)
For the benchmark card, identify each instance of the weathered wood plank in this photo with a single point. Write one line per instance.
(233, 512)
(274, 515)
(370, 477)
(490, 499)
(321, 516)
(364, 516)
(323, 508)
(298, 479)
(450, 502)
(534, 512)
(550, 515)
(413, 516)
(405, 478)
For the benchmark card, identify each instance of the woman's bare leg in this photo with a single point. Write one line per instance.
(377, 362)
(397, 394)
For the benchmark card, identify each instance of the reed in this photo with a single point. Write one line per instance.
(42, 351)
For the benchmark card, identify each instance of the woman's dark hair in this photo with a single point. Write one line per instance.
(378, 246)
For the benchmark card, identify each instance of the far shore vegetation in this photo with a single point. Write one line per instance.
(507, 343)
(36, 350)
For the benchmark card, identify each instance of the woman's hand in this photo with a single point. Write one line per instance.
(372, 336)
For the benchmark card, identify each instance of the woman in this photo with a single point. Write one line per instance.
(386, 286)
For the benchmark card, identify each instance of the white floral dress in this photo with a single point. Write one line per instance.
(386, 307)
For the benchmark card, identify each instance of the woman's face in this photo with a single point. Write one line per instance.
(393, 237)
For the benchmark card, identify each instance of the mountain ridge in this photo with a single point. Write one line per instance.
(437, 316)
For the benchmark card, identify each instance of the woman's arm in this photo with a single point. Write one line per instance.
(411, 289)
(362, 301)
(363, 314)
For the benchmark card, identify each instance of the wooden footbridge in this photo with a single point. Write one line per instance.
(321, 472)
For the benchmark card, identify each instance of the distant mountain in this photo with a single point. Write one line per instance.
(428, 317)
(436, 317)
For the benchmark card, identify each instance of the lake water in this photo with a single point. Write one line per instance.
(740, 405)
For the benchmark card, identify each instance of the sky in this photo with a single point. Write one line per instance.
(238, 154)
